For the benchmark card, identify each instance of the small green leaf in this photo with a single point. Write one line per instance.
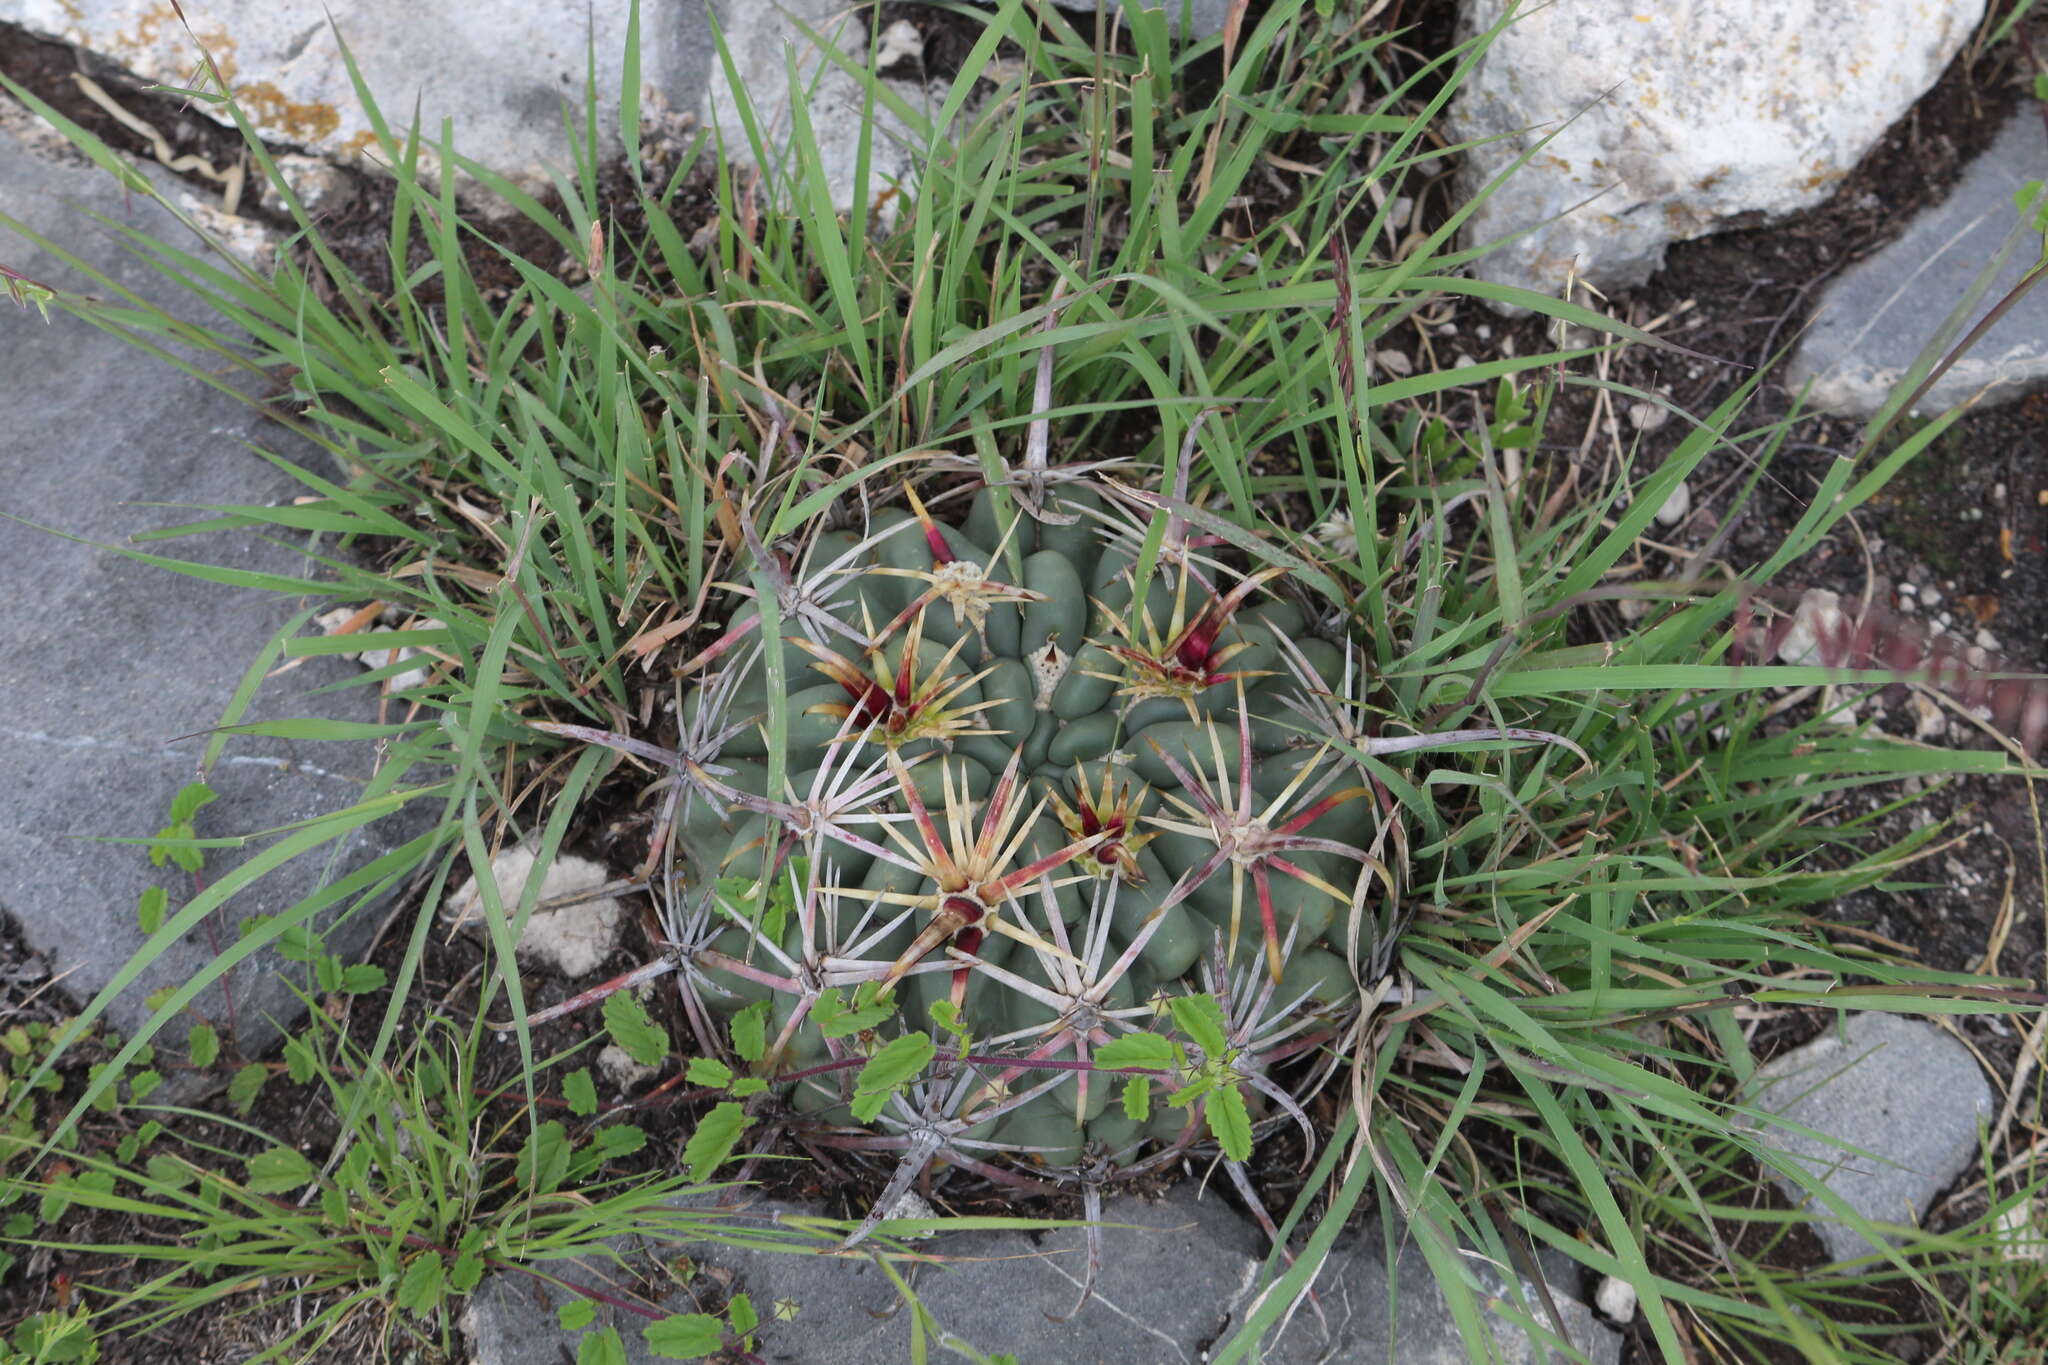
(902, 1061)
(748, 1085)
(467, 1272)
(203, 1044)
(602, 1348)
(247, 1084)
(714, 1139)
(419, 1293)
(1138, 1098)
(580, 1091)
(299, 944)
(620, 1139)
(576, 1315)
(362, 979)
(278, 1171)
(150, 909)
(750, 1031)
(740, 1313)
(1230, 1123)
(686, 1336)
(299, 1062)
(168, 1172)
(871, 1005)
(190, 799)
(1147, 1050)
(327, 972)
(142, 1084)
(946, 1015)
(645, 1041)
(707, 1071)
(544, 1160)
(1201, 1019)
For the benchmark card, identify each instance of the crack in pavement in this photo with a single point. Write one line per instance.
(280, 765)
(1112, 1305)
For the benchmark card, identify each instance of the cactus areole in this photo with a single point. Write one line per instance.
(1023, 808)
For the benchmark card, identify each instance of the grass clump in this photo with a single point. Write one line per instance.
(1160, 272)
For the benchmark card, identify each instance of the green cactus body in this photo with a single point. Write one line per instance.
(1080, 693)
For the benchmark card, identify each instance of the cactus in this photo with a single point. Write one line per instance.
(1094, 824)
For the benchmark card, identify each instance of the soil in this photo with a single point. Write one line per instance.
(1959, 543)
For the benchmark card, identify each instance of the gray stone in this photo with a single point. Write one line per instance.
(1682, 117)
(500, 69)
(1175, 1283)
(1898, 1088)
(106, 661)
(1363, 1320)
(1872, 321)
(763, 40)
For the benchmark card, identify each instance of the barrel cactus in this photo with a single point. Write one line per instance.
(1017, 845)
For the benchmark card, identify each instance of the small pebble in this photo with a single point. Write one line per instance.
(1616, 1299)
(619, 1067)
(901, 42)
(1676, 507)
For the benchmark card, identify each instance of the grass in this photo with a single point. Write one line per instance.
(547, 489)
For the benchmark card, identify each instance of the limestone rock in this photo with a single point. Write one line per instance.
(1677, 119)
(573, 939)
(499, 69)
(1897, 1088)
(1875, 318)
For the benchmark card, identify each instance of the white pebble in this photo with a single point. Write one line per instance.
(1677, 507)
(617, 1065)
(901, 42)
(1616, 1299)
